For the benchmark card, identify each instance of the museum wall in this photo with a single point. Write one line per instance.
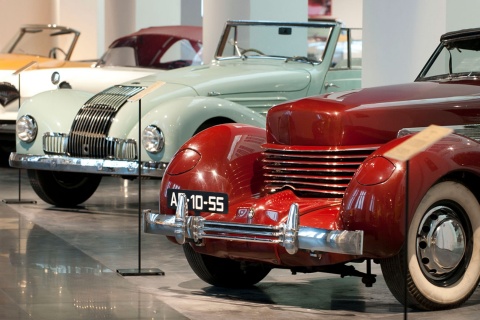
(216, 12)
(19, 12)
(398, 36)
(349, 12)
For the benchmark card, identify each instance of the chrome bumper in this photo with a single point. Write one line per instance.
(290, 235)
(86, 165)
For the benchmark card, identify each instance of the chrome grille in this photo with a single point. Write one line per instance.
(322, 172)
(120, 149)
(55, 143)
(88, 134)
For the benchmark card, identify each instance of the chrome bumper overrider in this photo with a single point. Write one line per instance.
(290, 235)
(86, 165)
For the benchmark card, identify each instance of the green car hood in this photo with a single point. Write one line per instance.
(229, 77)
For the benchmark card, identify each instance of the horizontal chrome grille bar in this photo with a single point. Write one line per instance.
(325, 172)
(318, 162)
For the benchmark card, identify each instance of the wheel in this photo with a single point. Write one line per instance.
(443, 251)
(224, 272)
(64, 189)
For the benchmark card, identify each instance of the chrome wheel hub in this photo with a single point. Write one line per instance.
(440, 242)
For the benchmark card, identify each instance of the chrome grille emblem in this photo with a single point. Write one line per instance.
(89, 132)
(250, 215)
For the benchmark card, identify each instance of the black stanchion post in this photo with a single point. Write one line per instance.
(404, 152)
(139, 271)
(405, 253)
(19, 200)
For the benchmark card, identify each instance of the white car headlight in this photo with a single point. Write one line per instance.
(152, 139)
(26, 128)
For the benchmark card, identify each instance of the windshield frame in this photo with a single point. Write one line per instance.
(452, 41)
(29, 28)
(234, 23)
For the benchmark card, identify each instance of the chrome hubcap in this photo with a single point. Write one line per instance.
(440, 242)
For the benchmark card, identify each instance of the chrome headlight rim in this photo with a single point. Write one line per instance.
(153, 139)
(26, 128)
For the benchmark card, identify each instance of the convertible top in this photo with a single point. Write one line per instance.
(460, 35)
(193, 33)
(151, 43)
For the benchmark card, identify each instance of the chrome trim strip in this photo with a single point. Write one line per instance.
(290, 235)
(471, 131)
(86, 165)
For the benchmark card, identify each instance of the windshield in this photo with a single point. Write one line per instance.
(455, 59)
(278, 41)
(44, 41)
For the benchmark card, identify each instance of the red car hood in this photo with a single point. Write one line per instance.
(372, 115)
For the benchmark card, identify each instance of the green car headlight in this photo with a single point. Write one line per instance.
(152, 139)
(26, 128)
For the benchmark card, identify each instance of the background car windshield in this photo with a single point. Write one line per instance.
(52, 43)
(464, 57)
(276, 41)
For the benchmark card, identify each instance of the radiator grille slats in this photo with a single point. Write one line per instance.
(89, 132)
(321, 172)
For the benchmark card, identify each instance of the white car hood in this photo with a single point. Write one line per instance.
(238, 77)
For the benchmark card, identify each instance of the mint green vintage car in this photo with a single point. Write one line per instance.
(68, 139)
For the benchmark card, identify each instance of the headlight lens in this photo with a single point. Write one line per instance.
(27, 128)
(152, 139)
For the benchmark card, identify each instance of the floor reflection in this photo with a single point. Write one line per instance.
(45, 277)
(57, 264)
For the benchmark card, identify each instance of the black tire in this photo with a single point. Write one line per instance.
(63, 189)
(443, 251)
(224, 272)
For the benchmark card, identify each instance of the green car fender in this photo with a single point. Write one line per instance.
(53, 111)
(181, 118)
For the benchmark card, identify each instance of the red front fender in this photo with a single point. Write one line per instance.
(225, 158)
(375, 199)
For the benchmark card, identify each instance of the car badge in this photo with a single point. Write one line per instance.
(272, 215)
(251, 213)
(55, 78)
(242, 212)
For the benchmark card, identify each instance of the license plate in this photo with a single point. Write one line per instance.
(199, 200)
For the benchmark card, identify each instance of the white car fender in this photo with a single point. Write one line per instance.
(179, 119)
(59, 108)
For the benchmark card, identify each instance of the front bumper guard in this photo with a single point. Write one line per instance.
(87, 165)
(290, 235)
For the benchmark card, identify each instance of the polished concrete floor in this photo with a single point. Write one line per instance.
(62, 264)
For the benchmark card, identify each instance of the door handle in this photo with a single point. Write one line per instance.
(330, 85)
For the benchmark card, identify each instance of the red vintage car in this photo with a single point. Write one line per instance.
(314, 190)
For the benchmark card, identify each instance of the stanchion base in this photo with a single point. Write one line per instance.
(141, 272)
(17, 201)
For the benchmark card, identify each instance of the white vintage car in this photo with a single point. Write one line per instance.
(135, 55)
(258, 64)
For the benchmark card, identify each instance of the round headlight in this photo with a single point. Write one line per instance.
(26, 128)
(152, 139)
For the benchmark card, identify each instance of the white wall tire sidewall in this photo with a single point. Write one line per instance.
(446, 295)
